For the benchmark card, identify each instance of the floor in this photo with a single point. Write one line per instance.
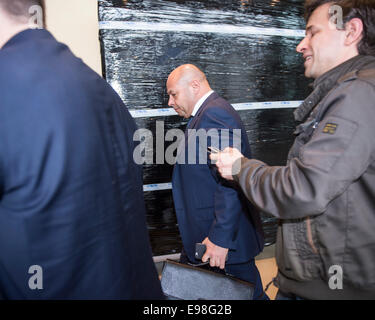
(266, 265)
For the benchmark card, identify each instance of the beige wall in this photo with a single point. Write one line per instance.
(75, 23)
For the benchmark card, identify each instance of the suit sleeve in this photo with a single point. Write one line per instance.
(2, 172)
(227, 204)
(337, 155)
(1, 183)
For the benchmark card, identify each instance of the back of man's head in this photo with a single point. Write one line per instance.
(19, 8)
(362, 9)
(189, 72)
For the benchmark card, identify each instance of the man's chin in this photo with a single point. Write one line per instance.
(309, 73)
(181, 114)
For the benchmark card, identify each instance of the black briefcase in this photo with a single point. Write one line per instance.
(186, 282)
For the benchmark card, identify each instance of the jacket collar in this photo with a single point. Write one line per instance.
(210, 98)
(200, 102)
(327, 81)
(26, 35)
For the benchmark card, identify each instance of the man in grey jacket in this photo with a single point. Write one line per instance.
(325, 195)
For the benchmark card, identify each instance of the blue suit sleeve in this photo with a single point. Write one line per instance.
(2, 182)
(227, 204)
(1, 185)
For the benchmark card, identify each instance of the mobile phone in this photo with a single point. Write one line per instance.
(200, 249)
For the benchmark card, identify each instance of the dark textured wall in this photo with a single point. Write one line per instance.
(242, 67)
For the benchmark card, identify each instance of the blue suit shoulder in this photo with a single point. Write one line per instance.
(219, 113)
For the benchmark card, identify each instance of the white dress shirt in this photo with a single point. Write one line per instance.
(200, 102)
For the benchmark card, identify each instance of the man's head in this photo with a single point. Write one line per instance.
(19, 9)
(185, 86)
(327, 44)
(15, 16)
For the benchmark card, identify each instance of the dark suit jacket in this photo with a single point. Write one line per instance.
(207, 205)
(71, 198)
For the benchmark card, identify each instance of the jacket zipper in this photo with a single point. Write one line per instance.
(309, 235)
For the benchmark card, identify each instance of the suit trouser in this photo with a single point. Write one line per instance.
(247, 271)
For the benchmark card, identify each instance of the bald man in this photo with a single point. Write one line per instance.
(208, 208)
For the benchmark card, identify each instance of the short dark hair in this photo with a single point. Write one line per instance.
(20, 7)
(362, 9)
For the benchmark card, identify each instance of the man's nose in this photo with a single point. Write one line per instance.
(302, 45)
(170, 102)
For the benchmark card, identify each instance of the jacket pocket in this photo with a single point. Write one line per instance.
(309, 234)
(299, 257)
(329, 143)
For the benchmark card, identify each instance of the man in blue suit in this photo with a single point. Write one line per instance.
(72, 219)
(208, 209)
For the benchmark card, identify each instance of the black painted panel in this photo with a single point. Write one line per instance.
(241, 68)
(263, 13)
(162, 223)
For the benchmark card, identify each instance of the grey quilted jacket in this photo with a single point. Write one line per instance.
(325, 195)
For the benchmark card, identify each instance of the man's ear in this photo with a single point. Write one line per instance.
(353, 31)
(195, 84)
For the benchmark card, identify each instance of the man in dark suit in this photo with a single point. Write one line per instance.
(208, 209)
(72, 219)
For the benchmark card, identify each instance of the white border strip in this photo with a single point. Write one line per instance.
(164, 112)
(157, 186)
(201, 27)
(148, 113)
(266, 105)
